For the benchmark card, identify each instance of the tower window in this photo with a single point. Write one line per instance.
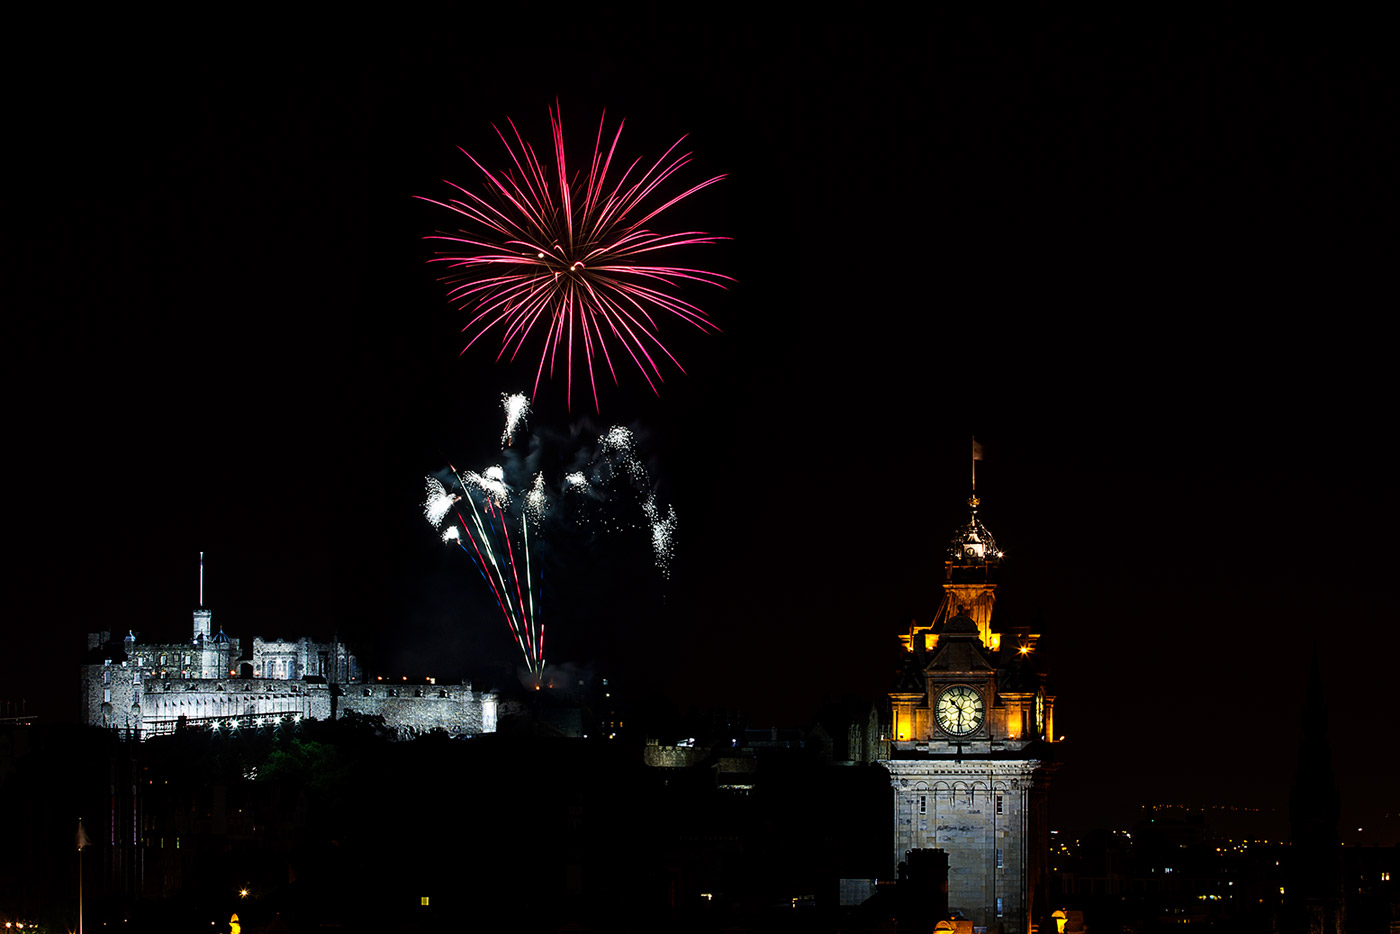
(999, 906)
(1000, 809)
(1000, 865)
(923, 804)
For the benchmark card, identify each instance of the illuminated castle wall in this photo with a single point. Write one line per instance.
(146, 689)
(970, 752)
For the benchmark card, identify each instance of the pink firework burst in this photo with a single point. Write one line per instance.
(572, 258)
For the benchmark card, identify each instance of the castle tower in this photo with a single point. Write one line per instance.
(203, 619)
(970, 750)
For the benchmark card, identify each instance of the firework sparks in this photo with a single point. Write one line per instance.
(571, 258)
(438, 502)
(618, 459)
(491, 482)
(500, 515)
(517, 406)
(536, 500)
(663, 534)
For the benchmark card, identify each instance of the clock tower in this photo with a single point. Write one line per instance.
(971, 743)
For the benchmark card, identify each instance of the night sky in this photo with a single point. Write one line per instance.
(1144, 260)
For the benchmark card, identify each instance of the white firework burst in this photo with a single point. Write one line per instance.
(663, 534)
(492, 483)
(517, 406)
(536, 502)
(451, 535)
(438, 502)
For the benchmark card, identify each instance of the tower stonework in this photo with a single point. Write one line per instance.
(970, 745)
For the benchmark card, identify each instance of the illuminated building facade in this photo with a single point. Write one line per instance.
(146, 689)
(970, 745)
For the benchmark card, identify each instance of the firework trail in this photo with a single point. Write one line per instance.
(497, 540)
(571, 258)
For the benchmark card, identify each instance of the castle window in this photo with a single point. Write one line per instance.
(107, 696)
(999, 906)
(999, 805)
(1000, 865)
(106, 677)
(923, 804)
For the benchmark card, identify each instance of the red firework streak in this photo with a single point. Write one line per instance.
(572, 258)
(520, 616)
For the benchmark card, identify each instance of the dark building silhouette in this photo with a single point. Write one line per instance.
(1314, 902)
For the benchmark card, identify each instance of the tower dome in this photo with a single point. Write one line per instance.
(972, 543)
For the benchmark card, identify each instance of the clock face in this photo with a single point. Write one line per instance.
(960, 710)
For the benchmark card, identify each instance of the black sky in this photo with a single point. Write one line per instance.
(1142, 258)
